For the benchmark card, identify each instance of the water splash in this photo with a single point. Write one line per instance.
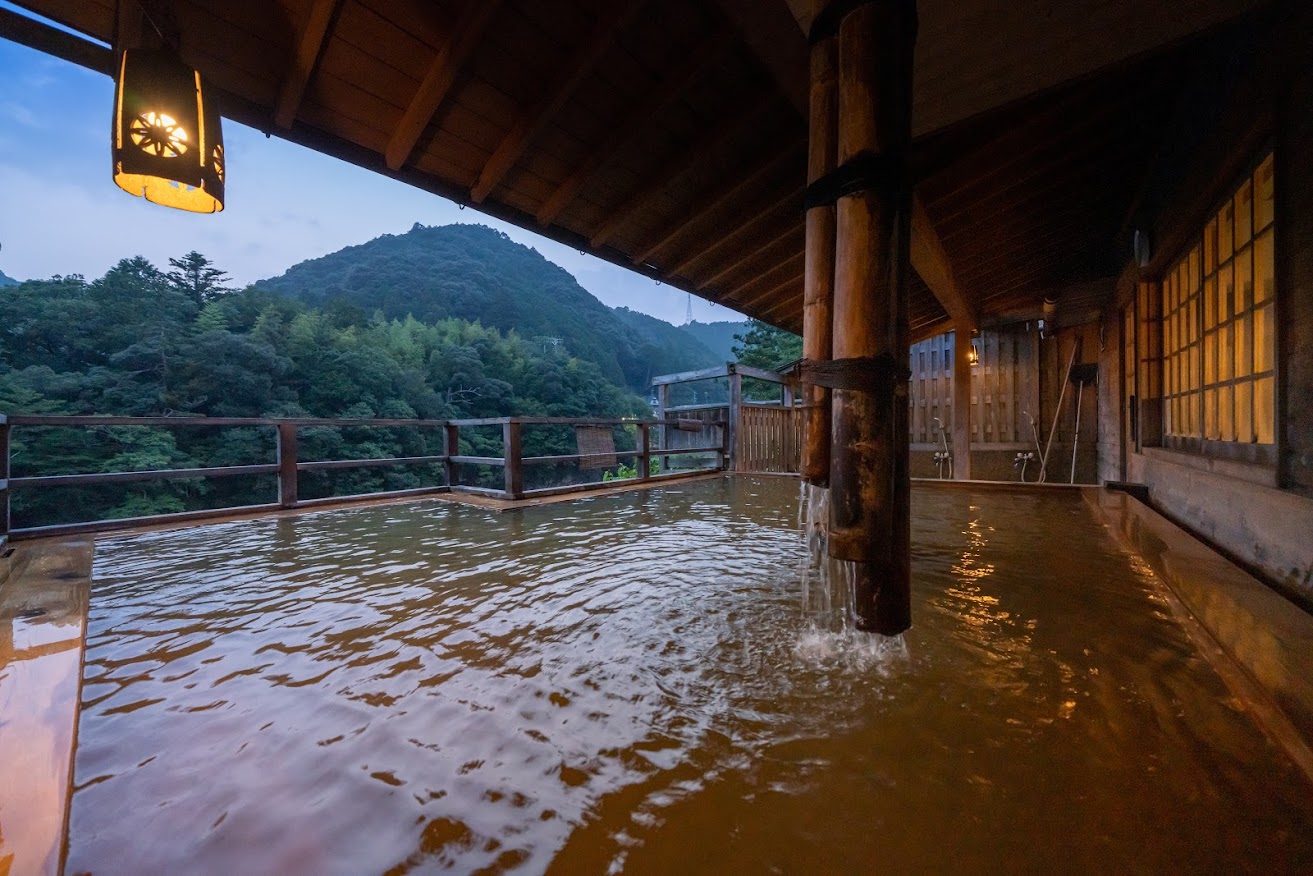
(829, 598)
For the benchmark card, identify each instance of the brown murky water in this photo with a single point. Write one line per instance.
(625, 684)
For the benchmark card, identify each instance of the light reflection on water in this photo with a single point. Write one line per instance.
(626, 683)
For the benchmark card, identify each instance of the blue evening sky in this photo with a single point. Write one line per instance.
(60, 212)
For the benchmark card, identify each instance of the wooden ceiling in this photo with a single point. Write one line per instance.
(667, 135)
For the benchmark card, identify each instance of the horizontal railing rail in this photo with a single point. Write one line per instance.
(288, 466)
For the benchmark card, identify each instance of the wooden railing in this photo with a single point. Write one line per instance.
(287, 466)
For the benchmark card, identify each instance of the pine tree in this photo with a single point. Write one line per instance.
(195, 276)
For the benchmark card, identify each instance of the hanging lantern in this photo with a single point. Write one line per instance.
(168, 142)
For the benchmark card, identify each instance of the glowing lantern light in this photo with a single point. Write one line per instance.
(168, 140)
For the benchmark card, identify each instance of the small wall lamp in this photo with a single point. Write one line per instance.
(973, 354)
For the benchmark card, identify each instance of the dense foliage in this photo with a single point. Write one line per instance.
(6, 280)
(142, 342)
(765, 346)
(474, 273)
(719, 337)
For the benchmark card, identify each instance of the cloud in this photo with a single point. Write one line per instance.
(16, 112)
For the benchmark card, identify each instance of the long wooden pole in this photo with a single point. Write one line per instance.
(870, 487)
(818, 277)
(962, 401)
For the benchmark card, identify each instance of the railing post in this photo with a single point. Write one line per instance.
(663, 402)
(451, 447)
(724, 445)
(4, 480)
(514, 459)
(287, 465)
(644, 453)
(735, 417)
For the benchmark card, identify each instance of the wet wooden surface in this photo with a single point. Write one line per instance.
(43, 610)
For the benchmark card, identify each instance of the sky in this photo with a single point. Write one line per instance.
(60, 212)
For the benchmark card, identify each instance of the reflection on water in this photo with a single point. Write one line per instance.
(625, 683)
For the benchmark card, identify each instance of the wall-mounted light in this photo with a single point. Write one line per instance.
(973, 354)
(167, 138)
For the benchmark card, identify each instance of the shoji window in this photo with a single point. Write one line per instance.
(1219, 349)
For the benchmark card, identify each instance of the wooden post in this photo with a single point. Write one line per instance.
(514, 456)
(818, 274)
(870, 487)
(962, 403)
(644, 452)
(287, 484)
(451, 447)
(663, 402)
(4, 480)
(733, 425)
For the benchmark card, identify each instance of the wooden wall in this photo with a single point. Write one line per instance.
(1004, 387)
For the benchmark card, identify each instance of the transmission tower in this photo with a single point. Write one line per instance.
(688, 312)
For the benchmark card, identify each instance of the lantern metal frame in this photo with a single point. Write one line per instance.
(167, 138)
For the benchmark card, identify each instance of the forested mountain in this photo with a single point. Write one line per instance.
(143, 342)
(437, 323)
(666, 348)
(7, 280)
(473, 273)
(716, 336)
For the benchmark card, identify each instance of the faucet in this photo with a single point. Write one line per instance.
(943, 458)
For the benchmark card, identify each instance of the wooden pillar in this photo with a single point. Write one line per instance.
(870, 488)
(733, 428)
(962, 403)
(451, 447)
(287, 480)
(663, 403)
(514, 459)
(4, 480)
(644, 452)
(818, 276)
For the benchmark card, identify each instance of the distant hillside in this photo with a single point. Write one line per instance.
(665, 347)
(474, 273)
(7, 280)
(717, 336)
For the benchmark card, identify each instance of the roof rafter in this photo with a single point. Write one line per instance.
(684, 160)
(297, 77)
(670, 88)
(749, 257)
(758, 219)
(718, 198)
(584, 59)
(437, 82)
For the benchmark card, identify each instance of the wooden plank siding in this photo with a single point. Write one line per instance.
(1005, 387)
(769, 439)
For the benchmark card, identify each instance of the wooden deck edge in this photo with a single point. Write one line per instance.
(588, 491)
(43, 612)
(1260, 643)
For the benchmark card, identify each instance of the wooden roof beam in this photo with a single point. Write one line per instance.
(638, 120)
(718, 198)
(777, 303)
(748, 257)
(769, 278)
(931, 261)
(684, 160)
(297, 77)
(583, 60)
(759, 219)
(437, 82)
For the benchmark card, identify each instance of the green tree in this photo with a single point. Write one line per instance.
(195, 276)
(765, 346)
